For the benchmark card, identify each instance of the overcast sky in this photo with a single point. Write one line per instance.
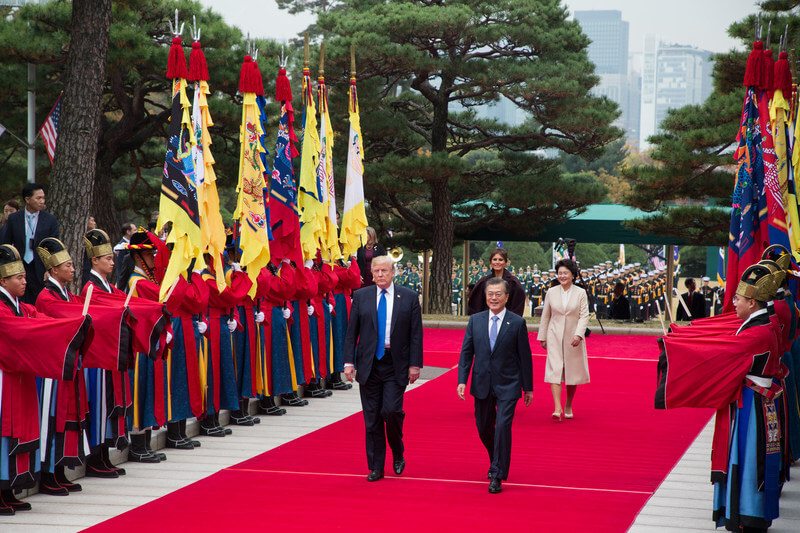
(701, 23)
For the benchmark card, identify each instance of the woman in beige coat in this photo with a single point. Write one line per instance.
(561, 331)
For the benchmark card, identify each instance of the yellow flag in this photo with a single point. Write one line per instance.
(779, 114)
(250, 210)
(354, 215)
(330, 242)
(178, 203)
(312, 211)
(212, 228)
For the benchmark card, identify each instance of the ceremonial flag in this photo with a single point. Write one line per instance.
(721, 266)
(284, 215)
(312, 210)
(212, 229)
(178, 203)
(749, 205)
(250, 210)
(353, 231)
(49, 130)
(330, 241)
(261, 102)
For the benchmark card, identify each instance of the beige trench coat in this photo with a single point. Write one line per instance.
(557, 327)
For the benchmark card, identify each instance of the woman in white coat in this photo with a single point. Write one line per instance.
(561, 331)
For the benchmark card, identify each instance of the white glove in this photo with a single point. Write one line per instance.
(310, 310)
(231, 325)
(236, 267)
(330, 308)
(287, 313)
(202, 327)
(169, 337)
(195, 271)
(259, 317)
(286, 260)
(309, 263)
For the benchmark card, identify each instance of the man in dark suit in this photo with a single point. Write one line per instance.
(384, 346)
(497, 350)
(25, 230)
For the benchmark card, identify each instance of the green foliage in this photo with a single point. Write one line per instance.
(136, 99)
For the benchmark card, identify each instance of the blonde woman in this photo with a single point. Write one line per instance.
(561, 332)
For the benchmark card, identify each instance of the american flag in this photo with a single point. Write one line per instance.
(49, 130)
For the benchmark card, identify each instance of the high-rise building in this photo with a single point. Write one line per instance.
(608, 51)
(674, 76)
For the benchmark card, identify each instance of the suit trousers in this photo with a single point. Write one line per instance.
(382, 402)
(493, 418)
(34, 285)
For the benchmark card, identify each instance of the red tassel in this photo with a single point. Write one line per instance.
(769, 72)
(783, 76)
(283, 89)
(176, 60)
(250, 77)
(198, 68)
(754, 73)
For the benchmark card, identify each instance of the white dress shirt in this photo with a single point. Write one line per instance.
(60, 287)
(389, 307)
(565, 295)
(102, 279)
(31, 221)
(501, 315)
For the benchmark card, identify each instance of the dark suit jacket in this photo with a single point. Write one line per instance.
(14, 233)
(362, 332)
(507, 370)
(696, 305)
(516, 295)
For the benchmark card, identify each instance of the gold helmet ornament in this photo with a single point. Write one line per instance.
(10, 262)
(52, 252)
(97, 243)
(757, 283)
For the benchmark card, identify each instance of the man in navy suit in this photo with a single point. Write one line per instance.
(383, 346)
(25, 230)
(497, 350)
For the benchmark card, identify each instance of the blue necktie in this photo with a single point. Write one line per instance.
(493, 332)
(381, 325)
(29, 234)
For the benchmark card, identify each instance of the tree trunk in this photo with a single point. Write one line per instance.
(441, 264)
(102, 204)
(72, 180)
(440, 287)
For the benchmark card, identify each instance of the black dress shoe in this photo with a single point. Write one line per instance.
(399, 465)
(341, 385)
(495, 486)
(375, 475)
(71, 487)
(240, 419)
(6, 510)
(195, 443)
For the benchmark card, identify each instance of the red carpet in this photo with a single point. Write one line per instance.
(442, 346)
(593, 473)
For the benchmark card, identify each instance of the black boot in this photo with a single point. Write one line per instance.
(5, 508)
(148, 435)
(9, 504)
(337, 383)
(266, 406)
(209, 428)
(105, 456)
(61, 477)
(95, 467)
(48, 485)
(293, 400)
(240, 417)
(184, 436)
(174, 439)
(227, 431)
(313, 390)
(138, 452)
